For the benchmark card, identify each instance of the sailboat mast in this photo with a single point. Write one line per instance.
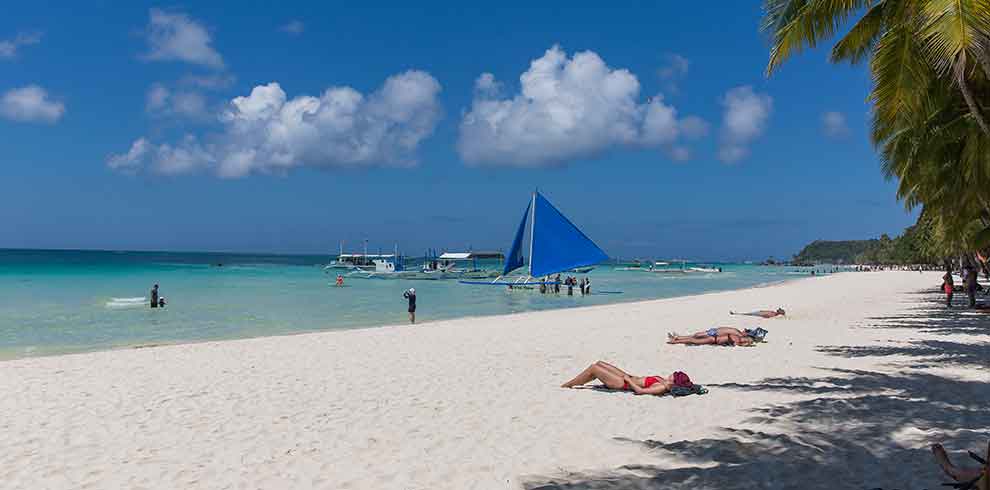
(532, 231)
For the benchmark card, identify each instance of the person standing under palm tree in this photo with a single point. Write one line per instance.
(971, 285)
(948, 285)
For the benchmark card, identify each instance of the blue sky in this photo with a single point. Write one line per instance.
(291, 127)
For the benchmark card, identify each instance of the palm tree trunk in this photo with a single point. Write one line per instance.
(974, 108)
(984, 58)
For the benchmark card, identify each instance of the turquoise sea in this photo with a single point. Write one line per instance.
(54, 302)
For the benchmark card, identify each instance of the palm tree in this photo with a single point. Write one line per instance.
(930, 64)
(906, 41)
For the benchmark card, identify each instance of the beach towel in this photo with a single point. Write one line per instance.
(695, 389)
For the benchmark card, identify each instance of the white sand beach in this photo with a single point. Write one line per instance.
(850, 389)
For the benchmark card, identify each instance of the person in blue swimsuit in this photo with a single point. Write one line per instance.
(719, 336)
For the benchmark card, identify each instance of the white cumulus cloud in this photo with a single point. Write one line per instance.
(744, 119)
(177, 37)
(30, 104)
(567, 108)
(834, 124)
(133, 158)
(267, 132)
(9, 47)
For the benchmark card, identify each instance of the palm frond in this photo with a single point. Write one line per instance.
(794, 25)
(861, 40)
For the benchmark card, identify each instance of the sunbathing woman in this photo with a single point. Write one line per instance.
(762, 313)
(618, 379)
(718, 336)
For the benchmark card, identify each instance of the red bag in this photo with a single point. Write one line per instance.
(682, 379)
(947, 288)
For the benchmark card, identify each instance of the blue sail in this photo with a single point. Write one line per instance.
(558, 245)
(514, 259)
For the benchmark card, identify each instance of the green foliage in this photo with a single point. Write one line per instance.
(834, 252)
(914, 246)
(930, 65)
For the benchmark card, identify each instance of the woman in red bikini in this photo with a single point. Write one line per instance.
(618, 379)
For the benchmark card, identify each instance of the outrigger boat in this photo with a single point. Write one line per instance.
(349, 262)
(555, 246)
(393, 266)
(459, 265)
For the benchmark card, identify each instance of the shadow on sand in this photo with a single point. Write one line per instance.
(851, 429)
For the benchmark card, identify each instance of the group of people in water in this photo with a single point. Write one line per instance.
(156, 300)
(552, 285)
(678, 382)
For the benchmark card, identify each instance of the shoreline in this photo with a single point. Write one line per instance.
(156, 344)
(849, 390)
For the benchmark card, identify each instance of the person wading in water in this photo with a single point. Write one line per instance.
(410, 295)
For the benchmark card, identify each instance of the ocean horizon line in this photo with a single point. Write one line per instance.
(332, 253)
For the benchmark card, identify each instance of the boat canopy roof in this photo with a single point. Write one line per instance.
(469, 255)
(367, 256)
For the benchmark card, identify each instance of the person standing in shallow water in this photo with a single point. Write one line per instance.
(154, 296)
(410, 295)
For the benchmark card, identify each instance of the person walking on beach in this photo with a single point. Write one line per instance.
(410, 295)
(587, 286)
(582, 286)
(948, 286)
(570, 286)
(556, 285)
(154, 296)
(971, 285)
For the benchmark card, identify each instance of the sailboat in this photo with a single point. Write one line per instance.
(555, 245)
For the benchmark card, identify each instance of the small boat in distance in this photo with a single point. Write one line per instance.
(357, 262)
(349, 262)
(704, 269)
(555, 246)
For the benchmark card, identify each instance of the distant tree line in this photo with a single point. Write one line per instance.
(915, 245)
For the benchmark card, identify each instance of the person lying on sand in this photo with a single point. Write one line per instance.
(762, 313)
(955, 472)
(617, 379)
(719, 336)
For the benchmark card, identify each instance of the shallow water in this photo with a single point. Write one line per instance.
(55, 302)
